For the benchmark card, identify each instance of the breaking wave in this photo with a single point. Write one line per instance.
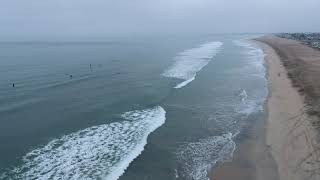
(255, 66)
(195, 159)
(249, 105)
(99, 152)
(255, 56)
(191, 61)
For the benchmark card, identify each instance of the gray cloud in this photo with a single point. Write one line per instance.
(107, 17)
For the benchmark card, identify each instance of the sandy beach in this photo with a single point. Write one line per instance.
(284, 146)
(290, 132)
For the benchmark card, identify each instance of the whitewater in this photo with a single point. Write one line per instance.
(98, 152)
(189, 62)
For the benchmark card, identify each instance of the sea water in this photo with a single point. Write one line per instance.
(135, 108)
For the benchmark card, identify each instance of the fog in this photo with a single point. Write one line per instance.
(20, 18)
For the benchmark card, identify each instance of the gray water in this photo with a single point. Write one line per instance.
(166, 107)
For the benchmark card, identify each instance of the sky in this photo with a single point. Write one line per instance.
(19, 18)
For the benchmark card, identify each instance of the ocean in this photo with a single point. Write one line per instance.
(128, 108)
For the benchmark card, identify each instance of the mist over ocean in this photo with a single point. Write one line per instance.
(135, 108)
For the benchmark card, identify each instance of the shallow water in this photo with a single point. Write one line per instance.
(139, 108)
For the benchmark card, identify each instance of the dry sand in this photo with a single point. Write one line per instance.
(285, 146)
(290, 134)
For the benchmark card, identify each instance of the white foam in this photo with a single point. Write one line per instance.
(248, 107)
(255, 55)
(243, 95)
(99, 152)
(191, 61)
(196, 158)
(184, 83)
(249, 104)
(255, 66)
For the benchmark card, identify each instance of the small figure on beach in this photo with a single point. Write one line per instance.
(90, 67)
(70, 76)
(13, 84)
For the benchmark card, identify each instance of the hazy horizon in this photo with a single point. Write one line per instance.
(81, 18)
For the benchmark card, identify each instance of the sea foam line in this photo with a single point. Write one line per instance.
(191, 61)
(99, 152)
(255, 54)
(195, 159)
(255, 60)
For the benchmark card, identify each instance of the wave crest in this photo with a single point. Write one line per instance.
(97, 152)
(191, 61)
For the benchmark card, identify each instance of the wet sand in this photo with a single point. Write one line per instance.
(285, 145)
(252, 159)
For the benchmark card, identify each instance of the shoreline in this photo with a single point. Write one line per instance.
(252, 159)
(282, 145)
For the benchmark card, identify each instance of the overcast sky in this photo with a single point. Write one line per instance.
(107, 17)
